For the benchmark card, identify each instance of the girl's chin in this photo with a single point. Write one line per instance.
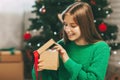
(71, 39)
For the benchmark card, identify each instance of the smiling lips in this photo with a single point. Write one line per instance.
(70, 35)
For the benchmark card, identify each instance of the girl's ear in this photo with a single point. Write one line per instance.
(60, 17)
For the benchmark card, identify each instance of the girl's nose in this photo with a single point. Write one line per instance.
(67, 29)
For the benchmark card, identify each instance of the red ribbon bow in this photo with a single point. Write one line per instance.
(36, 56)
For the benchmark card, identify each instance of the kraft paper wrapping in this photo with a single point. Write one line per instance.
(50, 57)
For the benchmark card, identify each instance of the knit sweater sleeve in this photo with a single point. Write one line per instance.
(97, 68)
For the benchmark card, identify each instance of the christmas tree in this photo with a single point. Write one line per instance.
(46, 24)
(102, 10)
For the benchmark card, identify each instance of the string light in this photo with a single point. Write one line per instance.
(99, 9)
(29, 44)
(107, 12)
(38, 45)
(114, 52)
(95, 21)
(55, 33)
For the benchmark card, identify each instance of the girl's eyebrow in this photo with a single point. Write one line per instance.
(70, 23)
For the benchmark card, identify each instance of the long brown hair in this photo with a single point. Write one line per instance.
(83, 16)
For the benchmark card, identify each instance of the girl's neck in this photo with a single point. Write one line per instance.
(81, 42)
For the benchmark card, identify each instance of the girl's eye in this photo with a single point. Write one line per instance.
(73, 26)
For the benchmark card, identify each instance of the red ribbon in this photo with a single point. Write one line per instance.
(36, 56)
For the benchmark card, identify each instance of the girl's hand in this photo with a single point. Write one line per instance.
(40, 65)
(62, 52)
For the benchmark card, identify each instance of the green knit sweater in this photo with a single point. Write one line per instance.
(86, 62)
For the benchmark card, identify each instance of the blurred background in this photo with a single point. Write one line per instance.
(27, 24)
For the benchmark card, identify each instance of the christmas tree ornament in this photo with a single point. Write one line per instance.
(102, 27)
(27, 36)
(42, 10)
(93, 2)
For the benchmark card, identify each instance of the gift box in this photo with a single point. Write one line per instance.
(11, 66)
(49, 56)
(7, 56)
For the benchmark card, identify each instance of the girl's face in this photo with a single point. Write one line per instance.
(72, 29)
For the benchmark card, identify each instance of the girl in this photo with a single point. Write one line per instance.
(83, 54)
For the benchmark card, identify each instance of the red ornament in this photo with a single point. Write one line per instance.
(102, 27)
(27, 36)
(93, 2)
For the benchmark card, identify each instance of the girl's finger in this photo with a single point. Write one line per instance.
(40, 69)
(39, 60)
(40, 65)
